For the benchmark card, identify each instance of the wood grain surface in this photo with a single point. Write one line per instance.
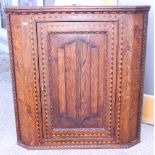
(77, 75)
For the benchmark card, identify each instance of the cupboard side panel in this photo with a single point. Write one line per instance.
(126, 76)
(22, 58)
(136, 75)
(143, 55)
(131, 71)
(13, 76)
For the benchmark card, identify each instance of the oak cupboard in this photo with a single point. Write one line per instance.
(77, 75)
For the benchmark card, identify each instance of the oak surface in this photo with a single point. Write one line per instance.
(77, 75)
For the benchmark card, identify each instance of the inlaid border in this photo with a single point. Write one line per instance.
(33, 28)
(81, 134)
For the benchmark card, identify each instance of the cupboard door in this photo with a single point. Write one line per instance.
(78, 63)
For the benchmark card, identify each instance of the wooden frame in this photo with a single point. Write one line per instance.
(30, 97)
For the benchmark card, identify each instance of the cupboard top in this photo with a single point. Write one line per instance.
(80, 9)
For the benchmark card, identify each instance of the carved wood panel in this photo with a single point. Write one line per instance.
(75, 65)
(75, 69)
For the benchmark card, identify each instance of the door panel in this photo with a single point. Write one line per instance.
(78, 88)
